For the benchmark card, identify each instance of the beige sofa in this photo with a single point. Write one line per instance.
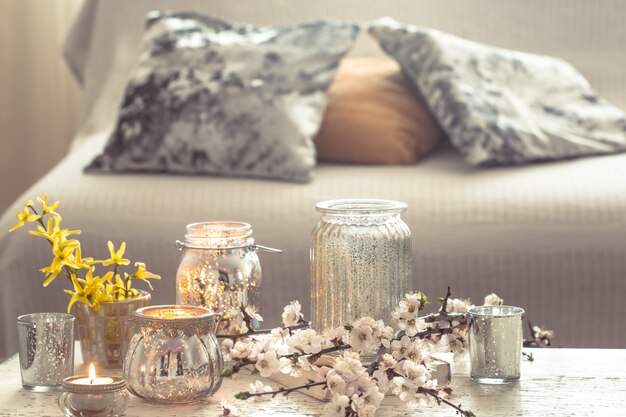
(548, 237)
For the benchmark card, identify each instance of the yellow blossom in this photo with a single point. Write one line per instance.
(144, 275)
(53, 232)
(80, 262)
(63, 256)
(25, 216)
(90, 292)
(116, 257)
(67, 258)
(46, 208)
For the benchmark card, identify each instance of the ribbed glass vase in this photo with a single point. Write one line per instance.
(360, 261)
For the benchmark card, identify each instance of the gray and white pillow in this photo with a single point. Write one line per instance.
(212, 97)
(503, 107)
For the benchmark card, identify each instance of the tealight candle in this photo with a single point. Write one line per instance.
(93, 396)
(92, 380)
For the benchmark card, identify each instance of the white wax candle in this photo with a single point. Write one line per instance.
(101, 380)
(92, 380)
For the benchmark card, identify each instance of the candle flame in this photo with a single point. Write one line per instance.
(92, 372)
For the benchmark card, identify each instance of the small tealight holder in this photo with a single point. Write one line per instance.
(91, 396)
(495, 343)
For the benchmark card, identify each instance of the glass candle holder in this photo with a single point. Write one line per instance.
(46, 350)
(219, 267)
(94, 397)
(360, 261)
(495, 343)
(173, 355)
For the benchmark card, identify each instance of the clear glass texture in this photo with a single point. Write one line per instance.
(360, 261)
(219, 267)
(173, 355)
(495, 343)
(102, 333)
(46, 350)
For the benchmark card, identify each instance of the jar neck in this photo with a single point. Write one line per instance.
(219, 234)
(361, 211)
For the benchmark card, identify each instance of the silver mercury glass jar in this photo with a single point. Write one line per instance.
(173, 355)
(360, 261)
(219, 267)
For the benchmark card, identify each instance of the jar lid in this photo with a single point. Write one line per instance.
(360, 206)
(219, 234)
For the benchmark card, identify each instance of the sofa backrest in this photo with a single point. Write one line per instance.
(590, 34)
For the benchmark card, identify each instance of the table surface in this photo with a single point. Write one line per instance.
(559, 382)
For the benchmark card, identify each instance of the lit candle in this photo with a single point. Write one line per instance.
(92, 379)
(93, 396)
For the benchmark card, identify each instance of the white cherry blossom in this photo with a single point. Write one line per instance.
(336, 407)
(493, 300)
(267, 363)
(291, 314)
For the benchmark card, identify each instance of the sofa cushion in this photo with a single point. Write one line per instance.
(499, 106)
(373, 117)
(212, 97)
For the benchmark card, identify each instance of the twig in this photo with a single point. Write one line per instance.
(244, 395)
(449, 317)
(433, 393)
(252, 332)
(444, 304)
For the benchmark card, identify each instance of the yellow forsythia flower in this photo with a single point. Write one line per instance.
(25, 216)
(116, 257)
(144, 275)
(67, 258)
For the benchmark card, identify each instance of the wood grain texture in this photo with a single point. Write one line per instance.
(560, 382)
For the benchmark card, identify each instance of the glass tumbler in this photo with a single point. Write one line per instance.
(495, 343)
(46, 350)
(360, 261)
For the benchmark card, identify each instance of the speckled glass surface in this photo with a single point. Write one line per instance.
(173, 355)
(495, 343)
(46, 350)
(360, 261)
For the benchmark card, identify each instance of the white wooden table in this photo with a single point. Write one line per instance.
(560, 382)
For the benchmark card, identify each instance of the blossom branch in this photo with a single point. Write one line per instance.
(433, 393)
(244, 395)
(252, 332)
(444, 303)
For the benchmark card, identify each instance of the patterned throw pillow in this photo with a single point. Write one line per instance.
(504, 107)
(211, 97)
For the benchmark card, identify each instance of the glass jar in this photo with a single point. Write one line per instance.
(360, 261)
(173, 355)
(219, 268)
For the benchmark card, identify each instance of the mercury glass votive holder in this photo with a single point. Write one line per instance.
(46, 350)
(88, 400)
(173, 355)
(495, 343)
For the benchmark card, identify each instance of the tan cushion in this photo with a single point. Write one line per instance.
(373, 117)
